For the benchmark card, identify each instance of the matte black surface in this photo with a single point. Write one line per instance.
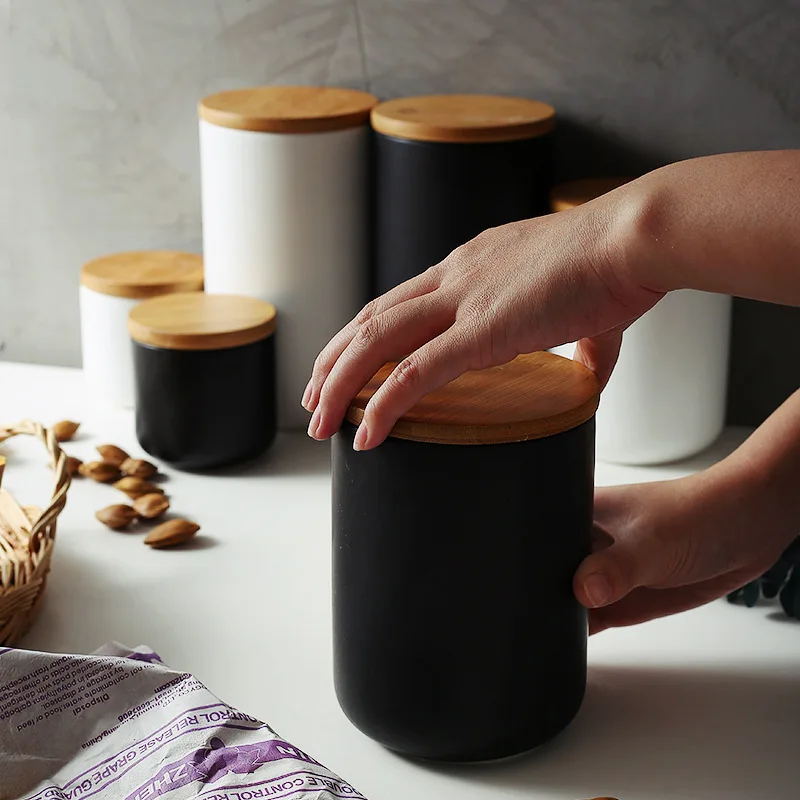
(431, 197)
(197, 409)
(456, 633)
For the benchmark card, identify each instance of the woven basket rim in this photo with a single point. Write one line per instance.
(25, 559)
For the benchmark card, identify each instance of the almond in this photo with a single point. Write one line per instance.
(168, 534)
(138, 468)
(100, 471)
(136, 487)
(151, 506)
(65, 430)
(73, 465)
(112, 454)
(117, 516)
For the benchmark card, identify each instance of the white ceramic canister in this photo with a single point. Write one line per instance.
(667, 396)
(110, 287)
(284, 189)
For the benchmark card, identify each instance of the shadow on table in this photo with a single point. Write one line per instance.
(292, 454)
(667, 734)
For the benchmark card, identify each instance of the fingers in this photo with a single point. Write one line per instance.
(385, 337)
(639, 555)
(433, 365)
(644, 604)
(600, 353)
(421, 285)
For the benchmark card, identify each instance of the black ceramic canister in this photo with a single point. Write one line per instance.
(204, 368)
(457, 636)
(448, 167)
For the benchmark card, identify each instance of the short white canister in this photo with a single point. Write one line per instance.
(667, 396)
(285, 174)
(110, 287)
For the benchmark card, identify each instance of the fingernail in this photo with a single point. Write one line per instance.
(313, 426)
(360, 440)
(306, 397)
(598, 589)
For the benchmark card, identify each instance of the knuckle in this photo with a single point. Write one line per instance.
(408, 372)
(367, 313)
(370, 332)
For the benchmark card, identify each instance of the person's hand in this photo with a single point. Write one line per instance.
(514, 289)
(662, 548)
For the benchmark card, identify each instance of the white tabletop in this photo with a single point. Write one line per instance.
(699, 706)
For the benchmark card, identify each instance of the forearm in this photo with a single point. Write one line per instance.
(762, 477)
(728, 224)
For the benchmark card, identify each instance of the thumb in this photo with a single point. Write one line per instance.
(606, 577)
(600, 353)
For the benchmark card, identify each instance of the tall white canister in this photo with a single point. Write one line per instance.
(110, 287)
(666, 398)
(284, 190)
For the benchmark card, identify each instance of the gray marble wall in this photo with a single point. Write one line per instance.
(98, 143)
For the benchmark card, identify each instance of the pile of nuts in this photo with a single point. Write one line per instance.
(132, 477)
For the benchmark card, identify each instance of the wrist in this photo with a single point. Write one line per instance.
(639, 233)
(755, 503)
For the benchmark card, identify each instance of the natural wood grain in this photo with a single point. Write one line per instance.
(536, 395)
(576, 193)
(198, 321)
(145, 273)
(288, 109)
(463, 118)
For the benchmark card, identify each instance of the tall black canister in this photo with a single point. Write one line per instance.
(457, 636)
(446, 168)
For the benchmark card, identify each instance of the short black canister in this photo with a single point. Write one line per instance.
(457, 636)
(448, 167)
(204, 367)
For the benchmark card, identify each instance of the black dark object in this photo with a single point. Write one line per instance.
(197, 409)
(782, 580)
(457, 636)
(431, 197)
(204, 369)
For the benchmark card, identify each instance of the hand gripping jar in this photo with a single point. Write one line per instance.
(457, 636)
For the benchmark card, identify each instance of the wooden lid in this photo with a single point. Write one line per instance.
(463, 118)
(576, 193)
(533, 396)
(199, 321)
(146, 273)
(288, 109)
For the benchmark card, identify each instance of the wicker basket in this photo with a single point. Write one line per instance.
(27, 535)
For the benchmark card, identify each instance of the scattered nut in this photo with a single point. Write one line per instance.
(112, 454)
(168, 534)
(100, 471)
(73, 465)
(138, 468)
(117, 516)
(65, 430)
(136, 487)
(150, 506)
